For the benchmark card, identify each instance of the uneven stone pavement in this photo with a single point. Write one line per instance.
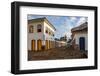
(56, 53)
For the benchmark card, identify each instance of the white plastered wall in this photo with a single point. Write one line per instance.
(85, 35)
(47, 36)
(34, 36)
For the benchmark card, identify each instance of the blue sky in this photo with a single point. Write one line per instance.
(63, 24)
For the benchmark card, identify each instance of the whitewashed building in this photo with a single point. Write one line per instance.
(60, 43)
(40, 34)
(80, 37)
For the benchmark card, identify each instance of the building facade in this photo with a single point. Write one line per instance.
(60, 43)
(40, 34)
(80, 37)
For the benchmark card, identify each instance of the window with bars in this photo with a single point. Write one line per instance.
(39, 28)
(31, 29)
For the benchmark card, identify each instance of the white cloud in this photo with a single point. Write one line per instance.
(68, 31)
(81, 20)
(73, 18)
(69, 26)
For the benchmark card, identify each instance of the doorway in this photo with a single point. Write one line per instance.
(33, 45)
(82, 43)
(39, 44)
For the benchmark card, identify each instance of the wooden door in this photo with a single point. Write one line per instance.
(39, 45)
(47, 45)
(33, 44)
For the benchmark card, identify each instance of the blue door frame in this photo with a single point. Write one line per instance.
(82, 43)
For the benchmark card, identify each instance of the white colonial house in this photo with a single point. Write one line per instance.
(40, 34)
(80, 37)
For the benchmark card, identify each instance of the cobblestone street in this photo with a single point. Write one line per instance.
(56, 53)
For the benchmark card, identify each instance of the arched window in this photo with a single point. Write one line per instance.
(49, 32)
(31, 29)
(52, 34)
(46, 31)
(39, 28)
